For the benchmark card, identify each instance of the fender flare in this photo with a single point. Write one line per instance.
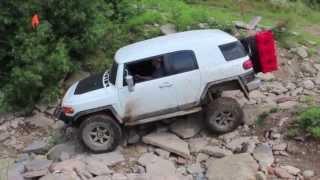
(109, 108)
(236, 79)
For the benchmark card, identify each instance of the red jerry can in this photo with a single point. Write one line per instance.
(266, 48)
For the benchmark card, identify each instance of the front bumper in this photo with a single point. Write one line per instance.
(58, 113)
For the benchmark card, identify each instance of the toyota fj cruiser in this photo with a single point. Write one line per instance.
(164, 77)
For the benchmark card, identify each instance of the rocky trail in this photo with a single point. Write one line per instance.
(37, 147)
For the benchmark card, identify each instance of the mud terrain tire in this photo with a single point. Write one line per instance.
(100, 133)
(223, 115)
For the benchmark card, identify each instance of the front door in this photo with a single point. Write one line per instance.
(154, 92)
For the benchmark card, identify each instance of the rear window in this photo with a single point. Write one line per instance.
(232, 51)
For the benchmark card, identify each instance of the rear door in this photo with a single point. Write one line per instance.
(182, 66)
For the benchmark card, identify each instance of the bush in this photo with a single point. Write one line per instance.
(34, 61)
(310, 121)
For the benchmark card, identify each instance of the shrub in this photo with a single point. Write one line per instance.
(309, 120)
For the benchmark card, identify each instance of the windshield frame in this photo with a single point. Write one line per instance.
(113, 73)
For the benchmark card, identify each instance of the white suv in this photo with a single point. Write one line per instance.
(160, 78)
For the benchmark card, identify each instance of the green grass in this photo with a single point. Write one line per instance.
(222, 13)
(309, 120)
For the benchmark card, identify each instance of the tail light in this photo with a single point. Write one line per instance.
(67, 110)
(247, 64)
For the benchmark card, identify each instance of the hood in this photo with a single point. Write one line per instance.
(90, 83)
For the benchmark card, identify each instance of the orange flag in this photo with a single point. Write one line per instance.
(35, 21)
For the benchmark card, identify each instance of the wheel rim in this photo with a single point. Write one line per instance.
(223, 119)
(100, 135)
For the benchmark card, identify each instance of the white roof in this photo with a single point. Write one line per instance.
(188, 40)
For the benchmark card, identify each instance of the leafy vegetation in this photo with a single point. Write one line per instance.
(309, 120)
(84, 34)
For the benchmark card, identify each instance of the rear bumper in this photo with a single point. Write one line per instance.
(58, 113)
(250, 81)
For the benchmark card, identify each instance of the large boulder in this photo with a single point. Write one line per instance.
(169, 142)
(157, 167)
(58, 151)
(38, 147)
(187, 128)
(108, 159)
(240, 167)
(263, 154)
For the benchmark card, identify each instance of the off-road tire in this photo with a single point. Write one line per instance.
(100, 127)
(223, 110)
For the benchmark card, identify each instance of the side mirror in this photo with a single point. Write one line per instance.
(130, 82)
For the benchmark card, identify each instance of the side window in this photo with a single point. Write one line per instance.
(182, 61)
(233, 51)
(146, 69)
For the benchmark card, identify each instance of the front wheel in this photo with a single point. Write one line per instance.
(223, 115)
(100, 133)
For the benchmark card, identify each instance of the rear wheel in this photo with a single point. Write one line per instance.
(100, 133)
(223, 115)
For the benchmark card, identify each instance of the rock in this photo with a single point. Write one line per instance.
(97, 168)
(266, 76)
(317, 66)
(251, 112)
(229, 136)
(169, 142)
(279, 147)
(34, 174)
(288, 105)
(202, 157)
(297, 91)
(306, 67)
(240, 167)
(216, 151)
(308, 174)
(282, 173)
(41, 121)
(256, 95)
(57, 151)
(38, 164)
(308, 84)
(14, 172)
(196, 144)
(261, 176)
(162, 153)
(104, 178)
(168, 29)
(292, 170)
(274, 135)
(276, 88)
(4, 136)
(239, 144)
(110, 158)
(195, 169)
(74, 77)
(118, 176)
(302, 51)
(72, 166)
(291, 86)
(157, 167)
(187, 128)
(203, 25)
(61, 176)
(38, 147)
(263, 154)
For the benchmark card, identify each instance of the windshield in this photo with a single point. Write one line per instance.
(113, 73)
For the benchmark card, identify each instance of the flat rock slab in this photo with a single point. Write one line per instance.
(216, 151)
(108, 159)
(263, 154)
(169, 142)
(38, 164)
(34, 174)
(57, 151)
(187, 128)
(240, 167)
(61, 176)
(158, 168)
(38, 147)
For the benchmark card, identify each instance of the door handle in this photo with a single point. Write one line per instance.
(165, 85)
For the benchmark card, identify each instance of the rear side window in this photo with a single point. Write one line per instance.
(182, 61)
(232, 51)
